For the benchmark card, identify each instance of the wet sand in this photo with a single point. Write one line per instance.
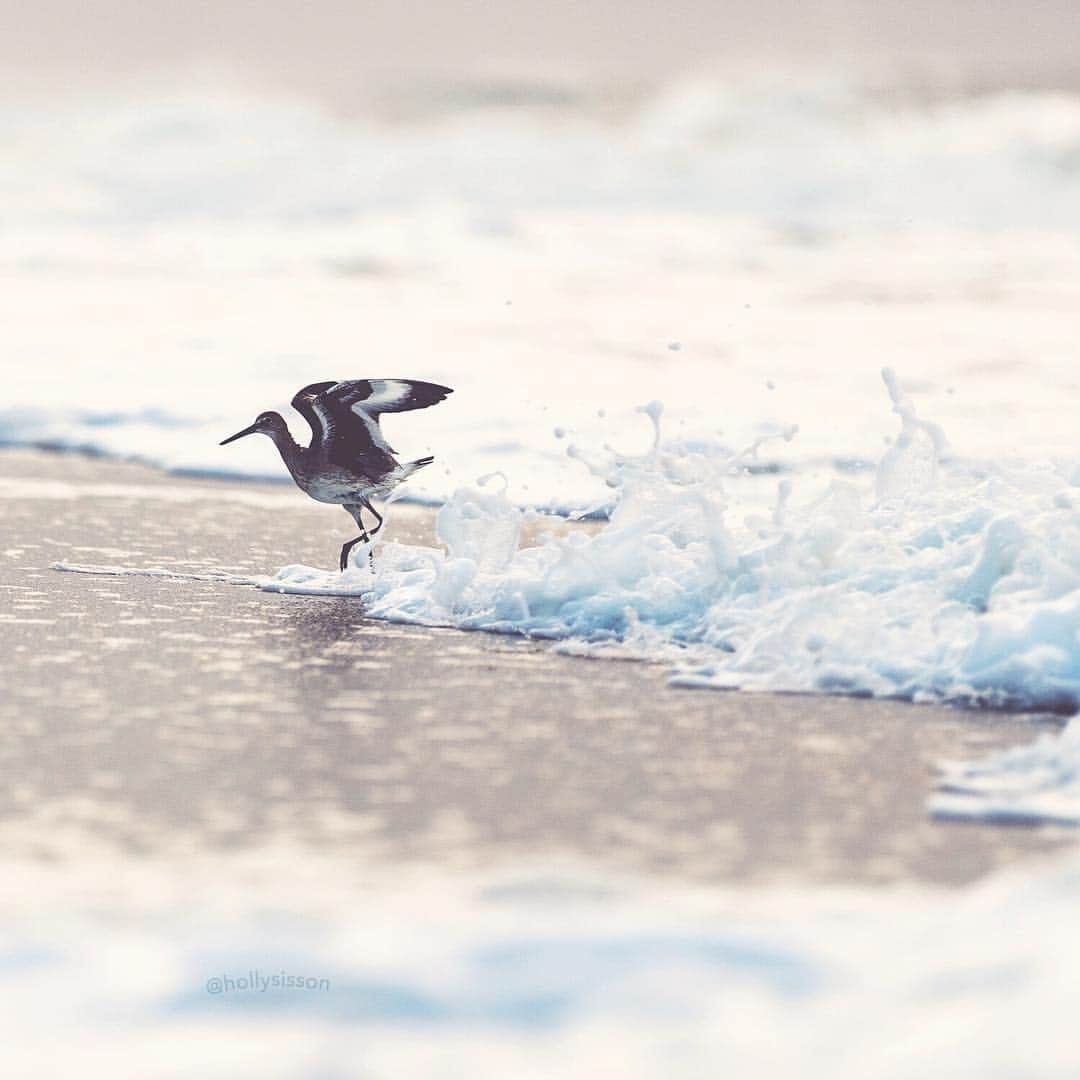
(161, 716)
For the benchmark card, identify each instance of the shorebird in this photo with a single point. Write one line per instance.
(349, 461)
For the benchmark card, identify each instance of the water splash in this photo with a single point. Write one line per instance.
(937, 585)
(911, 463)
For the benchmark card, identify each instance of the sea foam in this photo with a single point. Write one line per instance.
(938, 582)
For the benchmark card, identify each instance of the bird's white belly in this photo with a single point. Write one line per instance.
(345, 488)
(339, 490)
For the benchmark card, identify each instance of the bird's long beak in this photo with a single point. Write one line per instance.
(240, 434)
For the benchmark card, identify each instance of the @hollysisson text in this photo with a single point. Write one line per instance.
(255, 981)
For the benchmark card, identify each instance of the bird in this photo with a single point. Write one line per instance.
(349, 460)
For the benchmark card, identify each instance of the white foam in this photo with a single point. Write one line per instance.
(222, 576)
(939, 584)
(1037, 783)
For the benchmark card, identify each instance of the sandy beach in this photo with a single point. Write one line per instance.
(160, 714)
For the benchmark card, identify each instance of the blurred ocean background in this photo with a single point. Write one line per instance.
(744, 212)
(741, 211)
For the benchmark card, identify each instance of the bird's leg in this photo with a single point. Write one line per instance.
(357, 515)
(346, 548)
(378, 517)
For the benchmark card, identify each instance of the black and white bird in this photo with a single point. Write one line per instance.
(349, 462)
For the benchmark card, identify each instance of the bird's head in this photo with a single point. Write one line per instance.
(267, 423)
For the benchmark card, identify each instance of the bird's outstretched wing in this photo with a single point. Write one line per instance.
(344, 416)
(318, 416)
(376, 396)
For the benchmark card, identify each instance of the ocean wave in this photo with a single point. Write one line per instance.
(795, 151)
(940, 584)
